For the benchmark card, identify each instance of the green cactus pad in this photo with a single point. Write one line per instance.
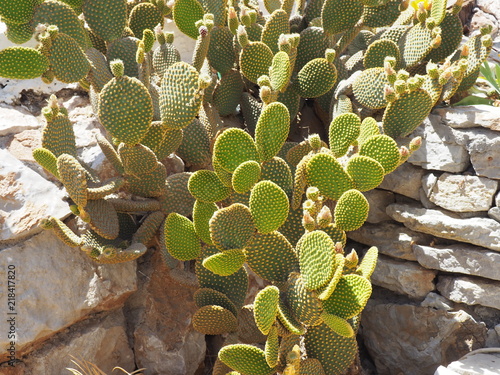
(271, 350)
(195, 145)
(46, 159)
(149, 228)
(327, 174)
(18, 34)
(280, 71)
(272, 130)
(343, 132)
(137, 159)
(438, 10)
(245, 176)
(144, 16)
(368, 88)
(99, 73)
(266, 308)
(404, 115)
(62, 231)
(367, 173)
(227, 93)
(335, 353)
(180, 237)
(58, 135)
(246, 359)
(316, 78)
(206, 186)
(312, 44)
(22, 63)
(369, 262)
(276, 24)
(368, 128)
(107, 19)
(336, 234)
(291, 99)
(378, 51)
(316, 252)
(383, 149)
(126, 109)
(17, 13)
(451, 35)
(150, 184)
(269, 206)
(162, 142)
(233, 147)
(214, 320)
(248, 332)
(340, 15)
(163, 57)
(178, 198)
(126, 205)
(303, 303)
(255, 60)
(207, 296)
(466, 83)
(202, 212)
(73, 177)
(271, 256)
(350, 296)
(125, 49)
(477, 54)
(221, 53)
(67, 60)
(311, 366)
(218, 9)
(415, 44)
(180, 99)
(292, 229)
(278, 171)
(232, 227)
(351, 210)
(185, 14)
(287, 319)
(326, 292)
(382, 15)
(338, 325)
(103, 218)
(225, 263)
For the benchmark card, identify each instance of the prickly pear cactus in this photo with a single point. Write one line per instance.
(254, 195)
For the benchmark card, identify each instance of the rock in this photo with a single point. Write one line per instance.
(160, 316)
(497, 200)
(440, 149)
(390, 238)
(460, 193)
(25, 199)
(16, 120)
(470, 116)
(494, 213)
(415, 340)
(470, 290)
(405, 180)
(484, 232)
(100, 340)
(57, 286)
(460, 258)
(378, 201)
(22, 144)
(481, 18)
(476, 363)
(437, 301)
(403, 277)
(492, 339)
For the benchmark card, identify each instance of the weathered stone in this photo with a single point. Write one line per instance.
(477, 364)
(440, 149)
(22, 144)
(470, 290)
(100, 340)
(16, 120)
(497, 200)
(378, 201)
(484, 232)
(461, 258)
(390, 238)
(492, 340)
(470, 116)
(160, 316)
(460, 193)
(25, 199)
(437, 301)
(424, 200)
(403, 277)
(494, 213)
(415, 340)
(405, 180)
(56, 286)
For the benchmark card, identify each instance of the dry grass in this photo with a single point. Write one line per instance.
(87, 368)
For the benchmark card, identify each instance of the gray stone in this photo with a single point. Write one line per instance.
(57, 286)
(470, 116)
(378, 201)
(405, 180)
(390, 238)
(480, 231)
(100, 340)
(415, 340)
(25, 199)
(15, 120)
(437, 301)
(460, 193)
(425, 200)
(492, 340)
(440, 149)
(478, 363)
(497, 200)
(470, 290)
(481, 18)
(403, 277)
(461, 258)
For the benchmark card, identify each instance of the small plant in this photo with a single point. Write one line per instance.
(87, 368)
(486, 90)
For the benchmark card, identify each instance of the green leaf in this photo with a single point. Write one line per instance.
(473, 100)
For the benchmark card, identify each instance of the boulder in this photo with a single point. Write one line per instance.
(470, 116)
(470, 290)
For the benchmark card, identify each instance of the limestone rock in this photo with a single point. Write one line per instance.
(440, 149)
(470, 116)
(403, 277)
(484, 232)
(480, 363)
(57, 286)
(22, 144)
(160, 316)
(405, 180)
(494, 213)
(378, 201)
(460, 193)
(390, 238)
(415, 340)
(16, 120)
(470, 290)
(460, 258)
(437, 301)
(100, 340)
(25, 199)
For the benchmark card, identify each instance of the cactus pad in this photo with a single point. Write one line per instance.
(185, 14)
(343, 132)
(207, 296)
(368, 88)
(255, 60)
(107, 19)
(351, 210)
(367, 173)
(22, 63)
(266, 308)
(180, 237)
(350, 296)
(214, 320)
(272, 130)
(233, 147)
(340, 15)
(225, 263)
(202, 212)
(73, 177)
(103, 218)
(303, 303)
(338, 325)
(316, 78)
(232, 227)
(245, 176)
(206, 186)
(383, 149)
(246, 359)
(378, 51)
(269, 206)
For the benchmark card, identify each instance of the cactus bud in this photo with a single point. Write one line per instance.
(267, 95)
(436, 42)
(242, 36)
(308, 221)
(465, 51)
(390, 73)
(314, 141)
(310, 206)
(284, 44)
(74, 209)
(430, 23)
(445, 77)
(245, 17)
(140, 54)
(53, 30)
(339, 248)
(264, 81)
(232, 20)
(415, 144)
(330, 55)
(432, 70)
(400, 86)
(203, 31)
(403, 75)
(204, 81)
(389, 94)
(47, 113)
(253, 16)
(294, 39)
(312, 193)
(486, 29)
(487, 41)
(414, 83)
(117, 67)
(351, 259)
(404, 154)
(324, 217)
(148, 38)
(456, 72)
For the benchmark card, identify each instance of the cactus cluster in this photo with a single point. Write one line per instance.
(255, 200)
